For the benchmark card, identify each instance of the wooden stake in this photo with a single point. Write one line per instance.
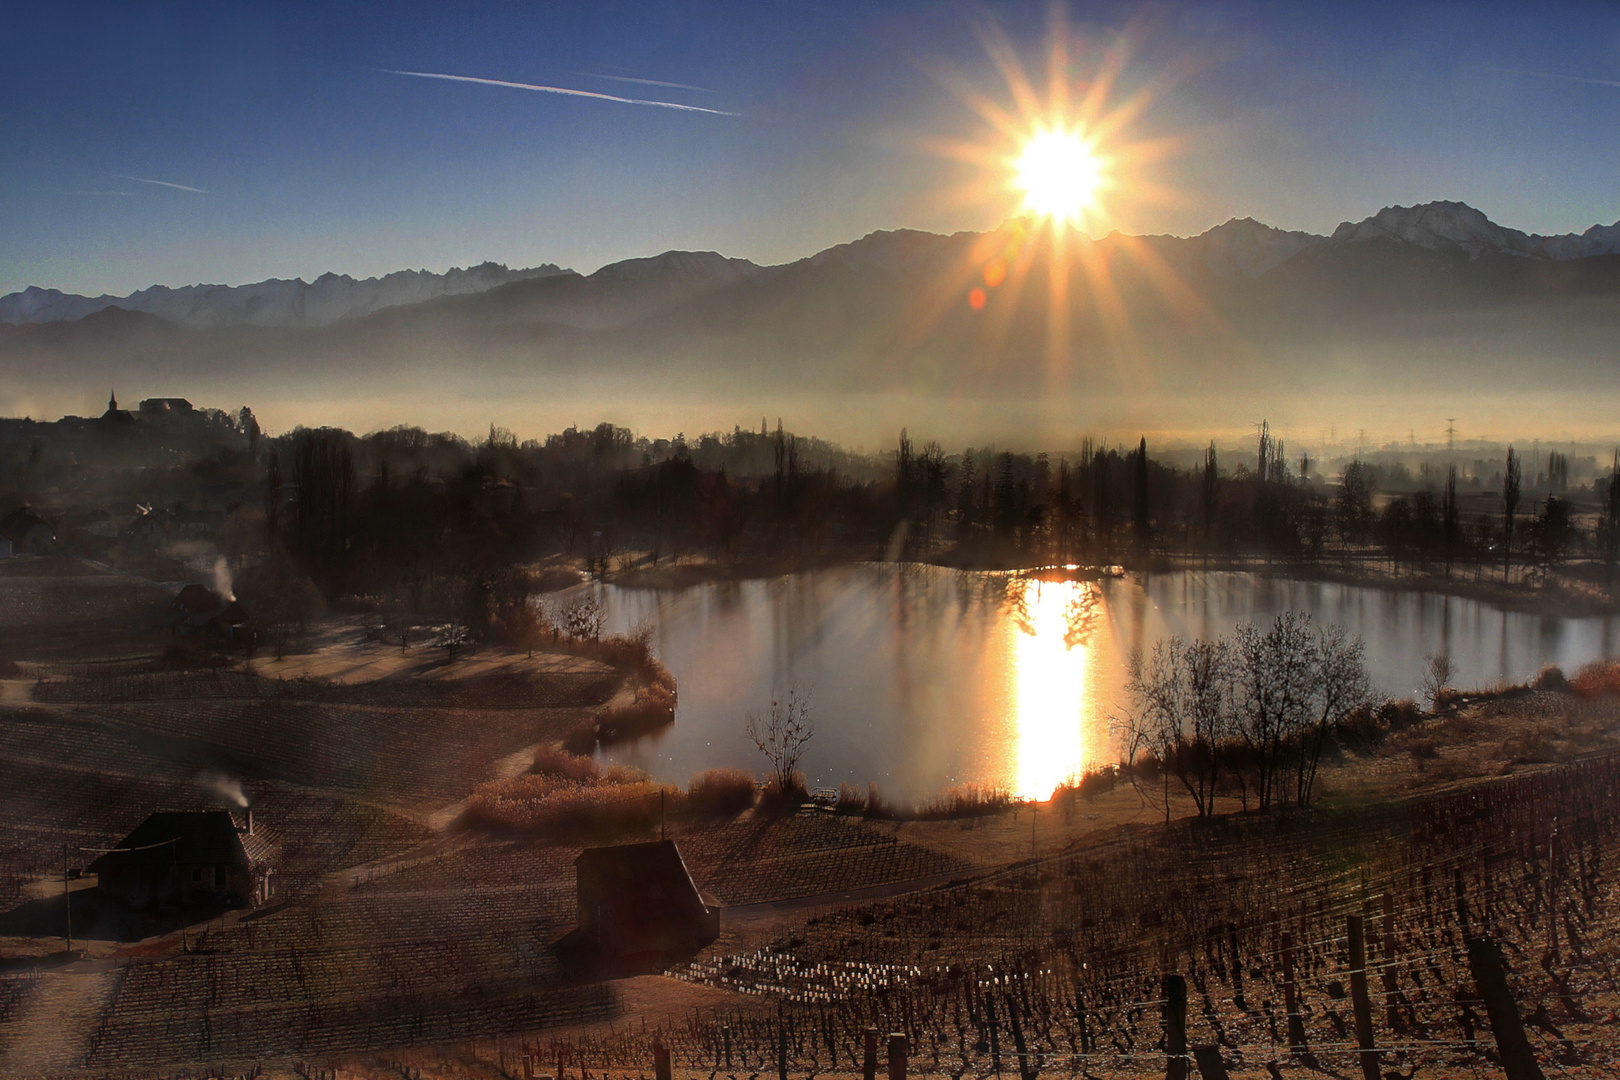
(1360, 999)
(898, 1050)
(1210, 1064)
(1296, 1024)
(1175, 1027)
(1391, 991)
(1490, 975)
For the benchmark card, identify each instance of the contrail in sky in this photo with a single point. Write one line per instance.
(558, 90)
(648, 82)
(162, 183)
(1556, 75)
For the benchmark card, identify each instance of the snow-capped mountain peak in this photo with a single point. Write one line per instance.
(1455, 226)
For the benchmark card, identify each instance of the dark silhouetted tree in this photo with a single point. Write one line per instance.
(1210, 490)
(1551, 532)
(324, 467)
(1510, 506)
(1611, 499)
(1450, 520)
(273, 498)
(1355, 501)
(1139, 496)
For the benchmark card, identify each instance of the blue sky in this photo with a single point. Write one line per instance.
(309, 156)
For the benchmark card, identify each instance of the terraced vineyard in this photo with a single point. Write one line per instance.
(1267, 931)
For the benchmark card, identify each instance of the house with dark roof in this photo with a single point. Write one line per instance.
(115, 415)
(197, 609)
(148, 531)
(26, 533)
(639, 898)
(165, 406)
(188, 858)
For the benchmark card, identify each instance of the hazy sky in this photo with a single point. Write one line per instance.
(308, 153)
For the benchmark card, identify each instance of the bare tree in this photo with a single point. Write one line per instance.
(1342, 686)
(1437, 675)
(1277, 679)
(582, 617)
(781, 735)
(1183, 716)
(1210, 675)
(450, 637)
(1155, 723)
(1267, 701)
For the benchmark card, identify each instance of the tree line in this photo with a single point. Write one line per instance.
(445, 525)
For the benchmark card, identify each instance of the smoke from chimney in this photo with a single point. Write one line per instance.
(222, 580)
(226, 788)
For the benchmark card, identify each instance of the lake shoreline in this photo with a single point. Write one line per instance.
(1556, 599)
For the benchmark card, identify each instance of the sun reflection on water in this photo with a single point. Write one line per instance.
(1050, 654)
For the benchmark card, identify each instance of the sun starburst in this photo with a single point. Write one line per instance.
(1060, 174)
(1064, 158)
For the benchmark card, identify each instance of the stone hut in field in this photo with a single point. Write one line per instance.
(197, 609)
(188, 858)
(639, 898)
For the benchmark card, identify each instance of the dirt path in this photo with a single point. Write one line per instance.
(51, 1032)
(341, 650)
(513, 764)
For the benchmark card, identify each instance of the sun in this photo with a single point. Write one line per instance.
(1060, 173)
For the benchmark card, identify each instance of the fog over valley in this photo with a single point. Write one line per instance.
(900, 328)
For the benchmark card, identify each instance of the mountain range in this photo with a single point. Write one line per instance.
(328, 299)
(982, 331)
(1242, 248)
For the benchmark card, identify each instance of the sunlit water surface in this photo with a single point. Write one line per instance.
(921, 679)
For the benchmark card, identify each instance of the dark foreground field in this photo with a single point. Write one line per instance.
(402, 944)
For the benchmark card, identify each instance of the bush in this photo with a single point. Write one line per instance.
(1400, 714)
(1360, 731)
(966, 800)
(720, 792)
(879, 807)
(1098, 781)
(774, 798)
(1532, 748)
(1551, 678)
(1598, 679)
(621, 800)
(564, 765)
(653, 708)
(581, 739)
(851, 800)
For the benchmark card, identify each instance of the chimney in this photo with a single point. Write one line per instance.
(250, 821)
